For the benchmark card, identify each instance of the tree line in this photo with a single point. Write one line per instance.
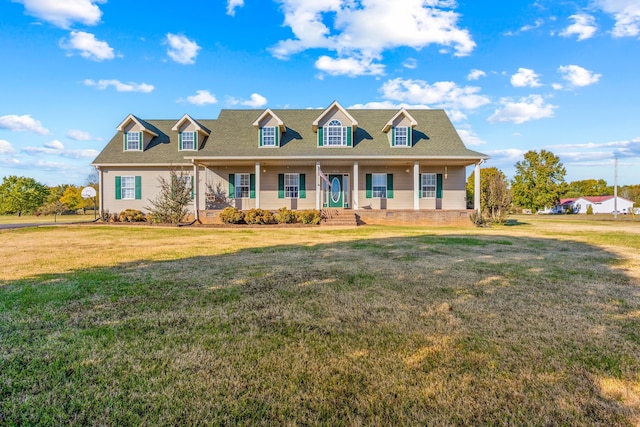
(21, 195)
(539, 183)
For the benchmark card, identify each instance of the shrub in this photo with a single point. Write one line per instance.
(309, 217)
(231, 215)
(590, 210)
(258, 216)
(285, 216)
(476, 219)
(132, 215)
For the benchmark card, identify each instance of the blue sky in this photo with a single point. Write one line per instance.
(513, 75)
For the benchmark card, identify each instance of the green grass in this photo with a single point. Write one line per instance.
(45, 219)
(369, 326)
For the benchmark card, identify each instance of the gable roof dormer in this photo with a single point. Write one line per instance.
(139, 124)
(267, 117)
(397, 120)
(332, 109)
(137, 134)
(189, 133)
(190, 123)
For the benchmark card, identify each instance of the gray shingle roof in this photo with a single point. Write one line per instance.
(234, 136)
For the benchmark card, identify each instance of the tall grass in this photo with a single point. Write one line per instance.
(392, 326)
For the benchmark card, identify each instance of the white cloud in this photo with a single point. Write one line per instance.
(181, 49)
(365, 29)
(520, 111)
(583, 26)
(525, 77)
(525, 28)
(232, 5)
(410, 63)
(202, 97)
(6, 148)
(510, 154)
(446, 95)
(256, 101)
(88, 46)
(22, 123)
(78, 135)
(63, 13)
(119, 86)
(578, 76)
(470, 138)
(57, 148)
(475, 74)
(626, 13)
(351, 67)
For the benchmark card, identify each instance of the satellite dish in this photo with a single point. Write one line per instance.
(88, 192)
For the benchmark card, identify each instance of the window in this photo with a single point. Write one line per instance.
(401, 136)
(428, 185)
(291, 185)
(380, 185)
(335, 134)
(188, 141)
(243, 185)
(187, 183)
(269, 136)
(133, 141)
(128, 187)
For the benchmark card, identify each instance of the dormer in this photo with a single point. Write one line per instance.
(399, 129)
(137, 133)
(190, 132)
(270, 129)
(335, 127)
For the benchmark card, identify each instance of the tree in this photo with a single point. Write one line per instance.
(56, 208)
(631, 192)
(588, 187)
(19, 195)
(495, 196)
(539, 180)
(170, 205)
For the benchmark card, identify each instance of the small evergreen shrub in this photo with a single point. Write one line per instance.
(285, 216)
(311, 216)
(590, 210)
(258, 216)
(132, 215)
(231, 215)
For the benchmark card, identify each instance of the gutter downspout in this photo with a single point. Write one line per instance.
(476, 187)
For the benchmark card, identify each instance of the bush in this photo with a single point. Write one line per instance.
(258, 216)
(231, 215)
(132, 215)
(476, 219)
(309, 217)
(590, 210)
(285, 216)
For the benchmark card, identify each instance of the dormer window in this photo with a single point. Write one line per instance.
(268, 136)
(335, 134)
(401, 136)
(133, 141)
(188, 141)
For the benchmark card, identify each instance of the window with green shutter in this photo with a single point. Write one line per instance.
(188, 141)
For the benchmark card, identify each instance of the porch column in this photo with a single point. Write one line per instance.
(416, 186)
(196, 192)
(355, 187)
(476, 187)
(318, 187)
(100, 192)
(257, 189)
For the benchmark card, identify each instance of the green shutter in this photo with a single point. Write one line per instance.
(303, 187)
(138, 187)
(180, 141)
(118, 188)
(389, 186)
(277, 131)
(124, 141)
(409, 136)
(140, 142)
(232, 186)
(320, 133)
(369, 188)
(393, 136)
(350, 136)
(260, 136)
(193, 187)
(252, 186)
(439, 186)
(195, 140)
(420, 186)
(280, 186)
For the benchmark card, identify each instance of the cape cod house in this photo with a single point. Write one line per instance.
(378, 164)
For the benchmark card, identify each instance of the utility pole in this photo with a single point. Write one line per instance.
(615, 190)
